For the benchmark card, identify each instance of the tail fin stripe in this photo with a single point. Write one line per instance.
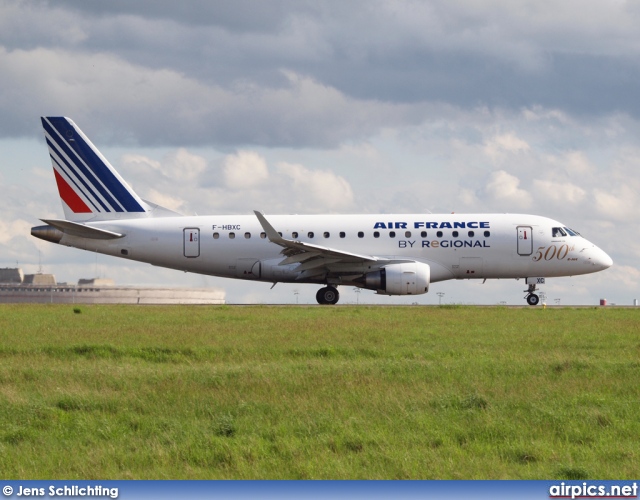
(72, 173)
(72, 178)
(63, 147)
(69, 196)
(86, 155)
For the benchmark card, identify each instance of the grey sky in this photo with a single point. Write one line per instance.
(359, 106)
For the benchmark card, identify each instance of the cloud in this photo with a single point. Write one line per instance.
(622, 204)
(559, 192)
(165, 200)
(165, 107)
(503, 189)
(245, 170)
(502, 145)
(238, 183)
(299, 74)
(317, 189)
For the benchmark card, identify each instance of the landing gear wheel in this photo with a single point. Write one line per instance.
(533, 299)
(327, 295)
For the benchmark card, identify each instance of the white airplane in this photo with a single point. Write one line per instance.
(390, 254)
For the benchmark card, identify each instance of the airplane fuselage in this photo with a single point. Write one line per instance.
(457, 246)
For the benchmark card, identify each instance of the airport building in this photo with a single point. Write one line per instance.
(17, 287)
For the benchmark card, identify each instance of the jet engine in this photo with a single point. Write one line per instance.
(407, 278)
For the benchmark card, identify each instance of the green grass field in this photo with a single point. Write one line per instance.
(118, 392)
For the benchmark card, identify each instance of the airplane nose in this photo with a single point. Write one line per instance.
(601, 259)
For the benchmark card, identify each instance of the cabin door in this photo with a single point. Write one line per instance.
(191, 242)
(525, 240)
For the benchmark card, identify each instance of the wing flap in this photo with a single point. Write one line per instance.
(298, 251)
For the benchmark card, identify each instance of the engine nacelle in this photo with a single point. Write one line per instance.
(408, 278)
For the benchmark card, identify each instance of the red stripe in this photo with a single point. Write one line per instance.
(70, 197)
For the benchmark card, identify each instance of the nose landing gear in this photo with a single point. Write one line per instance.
(532, 298)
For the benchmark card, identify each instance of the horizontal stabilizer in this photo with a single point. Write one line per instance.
(81, 230)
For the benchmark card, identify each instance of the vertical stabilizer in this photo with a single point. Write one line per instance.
(89, 187)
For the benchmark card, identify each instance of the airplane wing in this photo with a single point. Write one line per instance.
(313, 259)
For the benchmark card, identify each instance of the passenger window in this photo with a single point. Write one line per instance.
(232, 236)
(423, 234)
(487, 234)
(407, 234)
(247, 235)
(455, 234)
(439, 234)
(342, 234)
(392, 234)
(294, 234)
(280, 234)
(471, 234)
(376, 234)
(326, 234)
(360, 234)
(263, 235)
(216, 236)
(310, 234)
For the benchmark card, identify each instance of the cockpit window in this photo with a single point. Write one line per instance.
(571, 232)
(557, 231)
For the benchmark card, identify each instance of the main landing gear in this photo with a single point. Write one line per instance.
(328, 295)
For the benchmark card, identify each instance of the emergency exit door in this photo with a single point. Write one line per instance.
(191, 242)
(525, 240)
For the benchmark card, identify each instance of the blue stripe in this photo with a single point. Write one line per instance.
(64, 145)
(78, 188)
(102, 171)
(75, 174)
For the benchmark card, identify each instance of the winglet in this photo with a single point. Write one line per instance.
(272, 234)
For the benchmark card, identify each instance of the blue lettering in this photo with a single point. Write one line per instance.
(477, 244)
(484, 244)
(457, 243)
(380, 225)
(437, 225)
(444, 244)
(401, 225)
(468, 244)
(425, 244)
